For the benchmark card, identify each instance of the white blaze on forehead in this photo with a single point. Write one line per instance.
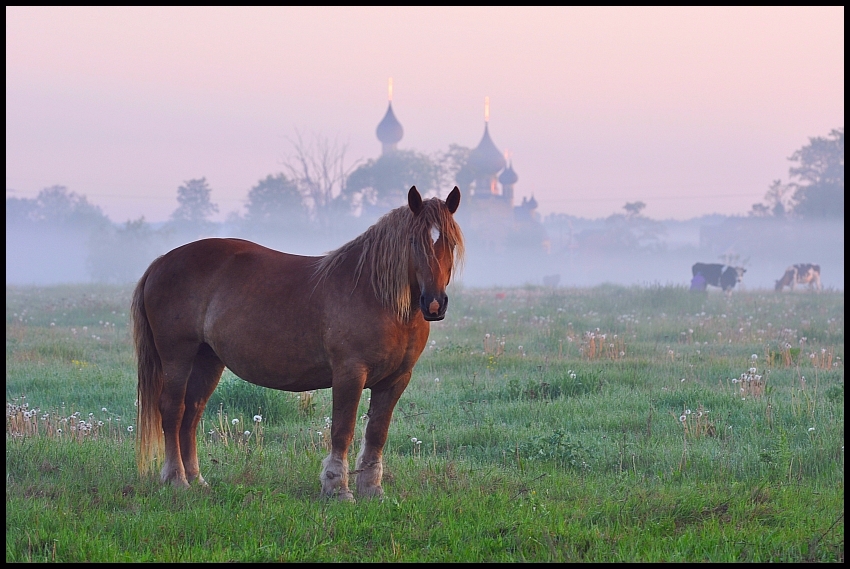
(435, 233)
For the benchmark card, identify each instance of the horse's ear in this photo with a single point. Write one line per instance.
(414, 200)
(453, 200)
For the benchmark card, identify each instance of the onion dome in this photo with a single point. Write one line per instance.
(389, 130)
(508, 177)
(485, 159)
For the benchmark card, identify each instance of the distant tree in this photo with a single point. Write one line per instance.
(195, 206)
(274, 198)
(57, 207)
(382, 184)
(454, 167)
(275, 204)
(120, 254)
(318, 169)
(775, 201)
(633, 209)
(627, 232)
(47, 236)
(819, 189)
(19, 210)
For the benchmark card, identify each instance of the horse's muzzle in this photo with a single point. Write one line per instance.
(433, 310)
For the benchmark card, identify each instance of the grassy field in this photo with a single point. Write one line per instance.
(597, 424)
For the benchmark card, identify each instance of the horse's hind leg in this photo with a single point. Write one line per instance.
(176, 367)
(206, 372)
(369, 466)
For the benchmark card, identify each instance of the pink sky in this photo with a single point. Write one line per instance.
(690, 110)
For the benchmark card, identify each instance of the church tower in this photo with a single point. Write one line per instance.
(389, 130)
(485, 160)
(508, 178)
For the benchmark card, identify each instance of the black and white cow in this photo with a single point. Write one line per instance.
(716, 274)
(803, 273)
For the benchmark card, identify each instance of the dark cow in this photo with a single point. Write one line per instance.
(715, 274)
(803, 273)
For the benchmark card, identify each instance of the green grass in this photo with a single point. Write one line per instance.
(541, 441)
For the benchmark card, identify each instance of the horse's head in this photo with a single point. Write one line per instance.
(436, 241)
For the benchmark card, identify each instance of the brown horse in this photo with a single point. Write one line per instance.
(355, 318)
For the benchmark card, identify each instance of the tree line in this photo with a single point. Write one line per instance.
(316, 197)
(816, 186)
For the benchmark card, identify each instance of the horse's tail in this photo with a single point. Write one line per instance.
(149, 439)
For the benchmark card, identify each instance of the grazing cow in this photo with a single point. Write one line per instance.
(716, 274)
(803, 273)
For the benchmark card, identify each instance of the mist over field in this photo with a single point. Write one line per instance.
(47, 256)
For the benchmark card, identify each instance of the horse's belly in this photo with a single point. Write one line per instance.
(285, 378)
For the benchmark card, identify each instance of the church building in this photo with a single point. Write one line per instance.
(487, 214)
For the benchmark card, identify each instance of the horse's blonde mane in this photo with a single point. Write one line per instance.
(385, 248)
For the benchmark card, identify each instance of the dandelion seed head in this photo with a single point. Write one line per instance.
(258, 418)
(234, 422)
(129, 428)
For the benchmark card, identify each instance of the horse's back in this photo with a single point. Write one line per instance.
(195, 275)
(254, 306)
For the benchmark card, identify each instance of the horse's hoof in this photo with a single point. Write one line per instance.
(341, 495)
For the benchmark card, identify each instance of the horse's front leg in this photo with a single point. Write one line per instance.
(369, 466)
(346, 392)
